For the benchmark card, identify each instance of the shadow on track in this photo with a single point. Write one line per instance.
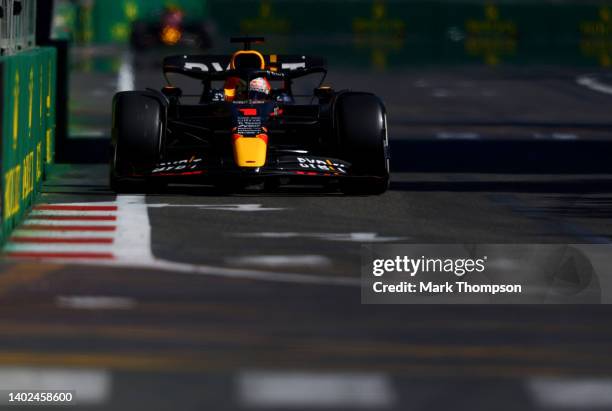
(577, 186)
(512, 157)
(423, 155)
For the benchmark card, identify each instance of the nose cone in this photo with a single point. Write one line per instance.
(250, 152)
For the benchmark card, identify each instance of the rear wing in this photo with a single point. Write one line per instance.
(215, 67)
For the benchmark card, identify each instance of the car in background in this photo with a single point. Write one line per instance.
(172, 29)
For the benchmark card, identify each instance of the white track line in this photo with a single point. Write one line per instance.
(457, 136)
(62, 234)
(573, 394)
(592, 83)
(133, 237)
(272, 261)
(310, 390)
(58, 248)
(69, 213)
(86, 223)
(79, 204)
(91, 386)
(347, 237)
(87, 302)
(125, 77)
(221, 207)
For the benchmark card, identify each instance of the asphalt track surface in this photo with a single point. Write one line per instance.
(250, 301)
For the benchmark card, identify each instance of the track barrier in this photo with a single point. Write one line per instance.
(27, 106)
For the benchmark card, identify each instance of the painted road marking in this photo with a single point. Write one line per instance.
(75, 213)
(58, 227)
(55, 247)
(457, 136)
(60, 240)
(565, 393)
(91, 386)
(44, 255)
(556, 136)
(590, 82)
(347, 237)
(87, 302)
(281, 260)
(36, 220)
(73, 217)
(440, 93)
(106, 206)
(20, 232)
(133, 237)
(125, 76)
(222, 207)
(270, 389)
(131, 243)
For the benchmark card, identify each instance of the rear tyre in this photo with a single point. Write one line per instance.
(362, 132)
(137, 140)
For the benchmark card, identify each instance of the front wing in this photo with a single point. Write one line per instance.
(297, 167)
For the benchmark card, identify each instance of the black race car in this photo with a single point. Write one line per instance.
(245, 127)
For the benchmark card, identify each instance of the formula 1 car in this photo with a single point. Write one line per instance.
(172, 28)
(234, 136)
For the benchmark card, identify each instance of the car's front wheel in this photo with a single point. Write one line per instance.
(137, 139)
(361, 124)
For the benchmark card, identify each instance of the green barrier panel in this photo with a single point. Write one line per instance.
(110, 22)
(391, 33)
(28, 122)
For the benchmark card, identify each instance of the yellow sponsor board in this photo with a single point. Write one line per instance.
(39, 162)
(492, 37)
(28, 175)
(380, 33)
(16, 110)
(596, 37)
(266, 22)
(30, 101)
(12, 192)
(49, 145)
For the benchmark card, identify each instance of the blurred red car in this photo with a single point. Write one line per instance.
(171, 29)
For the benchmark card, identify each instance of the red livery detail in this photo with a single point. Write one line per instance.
(249, 112)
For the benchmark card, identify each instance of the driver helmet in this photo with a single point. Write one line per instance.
(259, 89)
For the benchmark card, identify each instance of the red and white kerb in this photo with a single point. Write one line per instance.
(66, 231)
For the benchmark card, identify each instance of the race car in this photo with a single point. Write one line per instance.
(171, 28)
(247, 128)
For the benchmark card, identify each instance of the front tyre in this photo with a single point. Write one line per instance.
(361, 122)
(137, 137)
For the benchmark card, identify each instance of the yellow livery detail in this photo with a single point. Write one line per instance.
(250, 151)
